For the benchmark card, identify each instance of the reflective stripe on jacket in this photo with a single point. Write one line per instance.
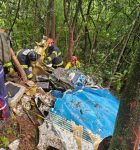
(69, 65)
(9, 67)
(54, 56)
(22, 56)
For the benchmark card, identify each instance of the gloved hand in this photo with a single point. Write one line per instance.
(11, 70)
(12, 73)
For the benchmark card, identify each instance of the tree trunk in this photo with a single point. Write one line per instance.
(53, 20)
(71, 22)
(50, 19)
(71, 43)
(127, 131)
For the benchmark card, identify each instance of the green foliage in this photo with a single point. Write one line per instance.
(9, 131)
(100, 32)
(29, 24)
(4, 141)
(119, 80)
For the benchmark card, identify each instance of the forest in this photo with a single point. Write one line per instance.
(104, 35)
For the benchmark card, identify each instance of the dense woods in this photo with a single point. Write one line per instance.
(104, 35)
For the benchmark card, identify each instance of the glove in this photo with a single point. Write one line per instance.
(13, 74)
(11, 70)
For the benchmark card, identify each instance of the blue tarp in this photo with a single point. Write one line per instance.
(94, 109)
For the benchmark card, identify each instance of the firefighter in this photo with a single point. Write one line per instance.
(5, 57)
(26, 57)
(74, 63)
(53, 55)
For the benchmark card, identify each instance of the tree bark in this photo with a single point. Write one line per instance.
(71, 42)
(53, 20)
(71, 22)
(50, 19)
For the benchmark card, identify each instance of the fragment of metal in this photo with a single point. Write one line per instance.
(15, 92)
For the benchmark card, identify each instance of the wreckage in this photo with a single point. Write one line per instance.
(77, 114)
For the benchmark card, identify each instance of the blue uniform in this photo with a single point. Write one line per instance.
(25, 62)
(54, 56)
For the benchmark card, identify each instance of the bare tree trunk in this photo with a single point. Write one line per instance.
(53, 21)
(71, 22)
(71, 42)
(50, 19)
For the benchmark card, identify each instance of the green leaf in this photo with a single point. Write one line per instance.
(4, 141)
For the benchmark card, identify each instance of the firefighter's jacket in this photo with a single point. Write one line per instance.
(75, 66)
(54, 57)
(22, 56)
(5, 55)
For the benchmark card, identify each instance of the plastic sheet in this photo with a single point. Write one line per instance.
(94, 109)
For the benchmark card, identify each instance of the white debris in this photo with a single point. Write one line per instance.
(44, 102)
(15, 92)
(46, 98)
(47, 137)
(14, 145)
(18, 110)
(53, 135)
(26, 102)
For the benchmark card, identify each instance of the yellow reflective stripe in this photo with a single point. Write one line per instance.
(54, 52)
(7, 64)
(30, 76)
(49, 58)
(59, 54)
(59, 64)
(24, 66)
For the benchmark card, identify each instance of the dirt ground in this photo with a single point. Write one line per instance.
(23, 128)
